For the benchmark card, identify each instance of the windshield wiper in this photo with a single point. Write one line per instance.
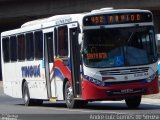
(129, 39)
(133, 32)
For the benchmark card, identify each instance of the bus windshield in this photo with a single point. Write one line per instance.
(118, 47)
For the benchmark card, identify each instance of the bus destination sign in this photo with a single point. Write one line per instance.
(117, 18)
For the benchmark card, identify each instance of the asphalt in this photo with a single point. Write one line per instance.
(154, 96)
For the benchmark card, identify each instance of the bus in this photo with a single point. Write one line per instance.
(104, 54)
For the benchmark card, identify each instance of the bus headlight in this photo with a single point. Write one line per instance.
(95, 81)
(152, 77)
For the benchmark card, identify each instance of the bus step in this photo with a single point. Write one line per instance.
(53, 99)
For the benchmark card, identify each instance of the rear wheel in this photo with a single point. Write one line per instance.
(133, 102)
(26, 97)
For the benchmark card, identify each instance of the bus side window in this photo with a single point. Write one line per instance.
(38, 44)
(29, 46)
(13, 48)
(55, 42)
(6, 54)
(49, 38)
(63, 41)
(21, 47)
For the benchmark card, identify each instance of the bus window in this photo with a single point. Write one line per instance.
(63, 41)
(29, 46)
(38, 44)
(55, 41)
(49, 38)
(13, 48)
(21, 47)
(6, 49)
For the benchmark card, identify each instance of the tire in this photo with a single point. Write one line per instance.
(26, 96)
(133, 102)
(69, 99)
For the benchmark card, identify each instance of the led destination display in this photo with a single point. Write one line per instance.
(118, 18)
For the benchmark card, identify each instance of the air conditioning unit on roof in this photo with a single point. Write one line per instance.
(102, 9)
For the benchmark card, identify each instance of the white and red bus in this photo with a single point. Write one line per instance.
(105, 54)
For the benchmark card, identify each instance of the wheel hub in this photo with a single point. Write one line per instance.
(69, 95)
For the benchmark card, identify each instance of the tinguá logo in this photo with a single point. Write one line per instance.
(31, 71)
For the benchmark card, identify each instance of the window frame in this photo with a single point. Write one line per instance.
(4, 58)
(66, 39)
(11, 51)
(28, 43)
(40, 57)
(24, 45)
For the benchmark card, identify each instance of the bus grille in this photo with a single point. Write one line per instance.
(124, 71)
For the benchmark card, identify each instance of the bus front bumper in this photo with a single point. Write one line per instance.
(115, 92)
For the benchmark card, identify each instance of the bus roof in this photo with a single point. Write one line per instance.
(51, 21)
(58, 17)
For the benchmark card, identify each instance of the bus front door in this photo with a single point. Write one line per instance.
(49, 64)
(75, 62)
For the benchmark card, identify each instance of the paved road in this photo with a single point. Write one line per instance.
(14, 108)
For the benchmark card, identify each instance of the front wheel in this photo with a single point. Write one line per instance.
(133, 102)
(69, 98)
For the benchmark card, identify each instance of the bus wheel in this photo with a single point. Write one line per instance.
(69, 99)
(133, 102)
(26, 96)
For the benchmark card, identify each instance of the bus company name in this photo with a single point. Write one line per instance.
(31, 71)
(62, 21)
